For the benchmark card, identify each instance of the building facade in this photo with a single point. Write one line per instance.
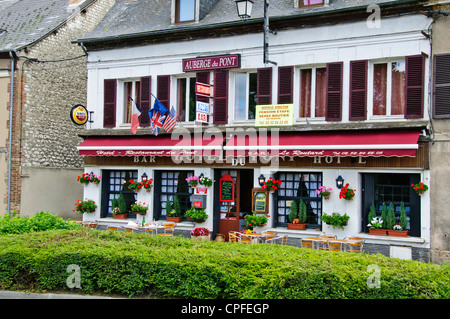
(344, 96)
(41, 163)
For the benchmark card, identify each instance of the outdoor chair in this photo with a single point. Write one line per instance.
(270, 234)
(112, 228)
(307, 243)
(128, 229)
(326, 238)
(150, 231)
(233, 236)
(334, 245)
(169, 227)
(248, 239)
(91, 225)
(280, 240)
(355, 247)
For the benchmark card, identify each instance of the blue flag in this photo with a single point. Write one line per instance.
(157, 107)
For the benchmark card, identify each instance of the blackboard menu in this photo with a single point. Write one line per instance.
(227, 189)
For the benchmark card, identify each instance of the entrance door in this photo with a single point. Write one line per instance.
(229, 215)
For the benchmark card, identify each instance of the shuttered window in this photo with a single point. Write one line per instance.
(415, 66)
(285, 84)
(109, 103)
(163, 90)
(202, 77)
(221, 97)
(145, 100)
(441, 94)
(334, 91)
(264, 86)
(358, 90)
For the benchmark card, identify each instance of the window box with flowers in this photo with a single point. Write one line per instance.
(205, 181)
(256, 220)
(193, 181)
(87, 178)
(324, 192)
(400, 229)
(196, 214)
(335, 220)
(137, 186)
(119, 207)
(347, 193)
(173, 212)
(139, 208)
(297, 215)
(420, 188)
(271, 185)
(201, 233)
(85, 206)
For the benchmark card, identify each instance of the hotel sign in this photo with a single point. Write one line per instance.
(212, 63)
(274, 115)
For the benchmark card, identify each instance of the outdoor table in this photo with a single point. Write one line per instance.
(156, 227)
(325, 240)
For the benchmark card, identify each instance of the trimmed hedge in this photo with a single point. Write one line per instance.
(40, 222)
(130, 263)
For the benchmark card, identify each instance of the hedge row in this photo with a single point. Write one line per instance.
(129, 263)
(40, 222)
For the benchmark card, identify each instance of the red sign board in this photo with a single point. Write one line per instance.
(212, 63)
(226, 193)
(203, 89)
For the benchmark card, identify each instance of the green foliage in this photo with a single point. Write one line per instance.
(335, 220)
(196, 213)
(177, 267)
(176, 207)
(403, 221)
(255, 220)
(293, 211)
(302, 211)
(384, 212)
(40, 222)
(390, 217)
(372, 212)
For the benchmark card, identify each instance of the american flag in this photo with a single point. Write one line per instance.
(171, 120)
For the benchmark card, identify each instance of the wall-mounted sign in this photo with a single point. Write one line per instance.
(202, 89)
(202, 107)
(260, 200)
(212, 63)
(226, 188)
(274, 115)
(79, 114)
(201, 117)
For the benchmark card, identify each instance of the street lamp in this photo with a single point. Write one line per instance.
(244, 8)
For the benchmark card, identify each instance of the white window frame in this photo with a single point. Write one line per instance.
(297, 93)
(174, 88)
(122, 99)
(232, 109)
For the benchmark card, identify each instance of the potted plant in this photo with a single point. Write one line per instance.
(272, 184)
(192, 180)
(196, 214)
(173, 212)
(297, 215)
(400, 230)
(390, 218)
(119, 207)
(139, 208)
(420, 188)
(205, 181)
(335, 220)
(324, 192)
(347, 193)
(85, 206)
(134, 186)
(376, 226)
(256, 220)
(87, 178)
(201, 233)
(148, 184)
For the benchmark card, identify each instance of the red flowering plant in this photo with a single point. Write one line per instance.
(200, 231)
(271, 184)
(87, 178)
(347, 192)
(86, 206)
(136, 186)
(420, 188)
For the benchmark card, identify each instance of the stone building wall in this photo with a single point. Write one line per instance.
(52, 75)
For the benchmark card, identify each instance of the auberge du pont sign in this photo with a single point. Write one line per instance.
(212, 63)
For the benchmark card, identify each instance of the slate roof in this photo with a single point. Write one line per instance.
(28, 21)
(128, 18)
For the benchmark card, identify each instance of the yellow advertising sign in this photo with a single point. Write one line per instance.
(274, 115)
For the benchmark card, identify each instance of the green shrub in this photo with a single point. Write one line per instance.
(40, 222)
(131, 263)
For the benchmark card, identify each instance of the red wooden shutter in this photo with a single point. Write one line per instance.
(109, 103)
(441, 94)
(285, 84)
(146, 100)
(221, 97)
(358, 90)
(163, 90)
(334, 91)
(415, 66)
(264, 86)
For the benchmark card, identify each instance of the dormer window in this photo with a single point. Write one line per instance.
(185, 11)
(310, 3)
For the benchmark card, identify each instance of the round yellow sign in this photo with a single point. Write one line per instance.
(79, 114)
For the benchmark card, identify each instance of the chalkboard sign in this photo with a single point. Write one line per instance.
(227, 188)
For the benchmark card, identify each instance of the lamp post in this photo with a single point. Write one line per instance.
(244, 8)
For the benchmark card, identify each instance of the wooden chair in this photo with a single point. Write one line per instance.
(326, 238)
(246, 239)
(307, 243)
(355, 238)
(355, 247)
(334, 245)
(150, 231)
(280, 240)
(169, 227)
(128, 229)
(270, 234)
(91, 225)
(112, 228)
(233, 236)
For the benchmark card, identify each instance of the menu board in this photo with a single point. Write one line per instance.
(227, 188)
(260, 200)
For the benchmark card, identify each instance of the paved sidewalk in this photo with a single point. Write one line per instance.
(27, 295)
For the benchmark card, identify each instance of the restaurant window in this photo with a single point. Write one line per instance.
(114, 183)
(310, 3)
(245, 96)
(131, 89)
(389, 88)
(169, 184)
(296, 186)
(186, 99)
(184, 10)
(313, 92)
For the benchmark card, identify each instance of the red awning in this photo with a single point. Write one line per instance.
(398, 143)
(163, 145)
